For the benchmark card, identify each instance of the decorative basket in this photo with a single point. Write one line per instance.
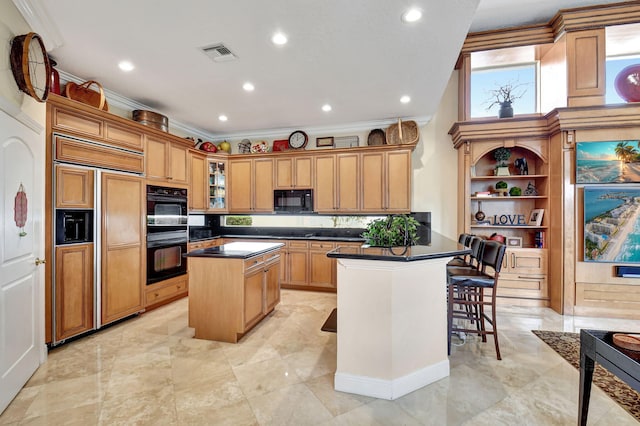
(151, 119)
(82, 93)
(405, 132)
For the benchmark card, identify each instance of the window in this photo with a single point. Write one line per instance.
(522, 77)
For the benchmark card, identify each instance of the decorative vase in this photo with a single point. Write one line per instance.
(506, 110)
(480, 214)
(627, 83)
(54, 85)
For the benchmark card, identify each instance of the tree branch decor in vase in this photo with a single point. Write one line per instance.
(504, 96)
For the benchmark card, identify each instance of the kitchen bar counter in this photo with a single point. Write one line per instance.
(392, 317)
(438, 247)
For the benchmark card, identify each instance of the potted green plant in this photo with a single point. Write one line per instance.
(392, 231)
(502, 155)
(504, 96)
(501, 188)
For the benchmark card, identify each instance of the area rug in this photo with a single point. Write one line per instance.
(567, 345)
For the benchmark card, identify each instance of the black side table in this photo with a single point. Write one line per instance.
(597, 346)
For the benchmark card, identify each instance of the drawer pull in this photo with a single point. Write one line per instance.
(530, 277)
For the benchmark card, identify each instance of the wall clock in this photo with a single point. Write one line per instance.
(30, 66)
(298, 139)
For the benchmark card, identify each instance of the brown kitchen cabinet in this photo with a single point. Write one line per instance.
(231, 295)
(74, 187)
(337, 183)
(165, 291)
(74, 310)
(166, 161)
(251, 185)
(524, 274)
(294, 172)
(198, 186)
(386, 181)
(297, 263)
(322, 269)
(123, 249)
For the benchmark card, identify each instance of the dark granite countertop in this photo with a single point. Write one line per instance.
(281, 237)
(438, 247)
(236, 250)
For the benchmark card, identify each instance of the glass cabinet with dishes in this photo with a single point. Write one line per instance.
(217, 184)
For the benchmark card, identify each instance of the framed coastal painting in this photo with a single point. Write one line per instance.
(608, 162)
(611, 225)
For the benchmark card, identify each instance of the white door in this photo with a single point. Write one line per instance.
(21, 243)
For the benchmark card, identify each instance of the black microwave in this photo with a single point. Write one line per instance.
(293, 200)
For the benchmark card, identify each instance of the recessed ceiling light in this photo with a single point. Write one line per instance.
(326, 107)
(279, 39)
(412, 15)
(405, 99)
(222, 117)
(248, 87)
(126, 66)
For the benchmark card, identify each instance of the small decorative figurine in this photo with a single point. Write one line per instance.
(531, 190)
(522, 166)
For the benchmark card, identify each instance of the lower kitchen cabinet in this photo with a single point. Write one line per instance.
(272, 267)
(322, 269)
(297, 262)
(163, 292)
(74, 313)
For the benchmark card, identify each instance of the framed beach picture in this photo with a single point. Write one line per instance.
(611, 227)
(608, 162)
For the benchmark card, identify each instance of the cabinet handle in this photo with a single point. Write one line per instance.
(513, 260)
(531, 277)
(156, 294)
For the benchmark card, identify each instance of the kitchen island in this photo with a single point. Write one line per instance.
(232, 287)
(392, 317)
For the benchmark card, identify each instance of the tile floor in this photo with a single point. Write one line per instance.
(150, 371)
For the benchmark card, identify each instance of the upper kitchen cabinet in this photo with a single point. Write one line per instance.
(337, 183)
(76, 119)
(217, 185)
(74, 187)
(198, 181)
(251, 185)
(166, 160)
(294, 172)
(386, 181)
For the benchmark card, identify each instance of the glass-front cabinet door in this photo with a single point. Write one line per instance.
(217, 185)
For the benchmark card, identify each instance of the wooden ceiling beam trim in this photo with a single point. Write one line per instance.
(564, 21)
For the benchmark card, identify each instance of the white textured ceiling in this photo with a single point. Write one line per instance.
(356, 55)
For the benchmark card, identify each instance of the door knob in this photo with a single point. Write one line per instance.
(40, 261)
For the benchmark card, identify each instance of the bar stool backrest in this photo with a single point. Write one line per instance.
(477, 246)
(493, 254)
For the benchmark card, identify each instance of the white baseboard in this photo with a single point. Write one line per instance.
(391, 389)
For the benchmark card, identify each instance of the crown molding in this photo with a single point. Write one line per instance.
(16, 112)
(40, 22)
(338, 129)
(117, 100)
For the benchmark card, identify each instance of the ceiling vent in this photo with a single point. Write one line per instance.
(219, 52)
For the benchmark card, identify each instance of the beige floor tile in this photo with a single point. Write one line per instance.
(294, 405)
(149, 370)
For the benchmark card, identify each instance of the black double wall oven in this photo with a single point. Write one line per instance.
(167, 232)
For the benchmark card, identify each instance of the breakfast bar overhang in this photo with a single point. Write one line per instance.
(392, 317)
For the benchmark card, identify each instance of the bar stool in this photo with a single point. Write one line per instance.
(467, 291)
(465, 240)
